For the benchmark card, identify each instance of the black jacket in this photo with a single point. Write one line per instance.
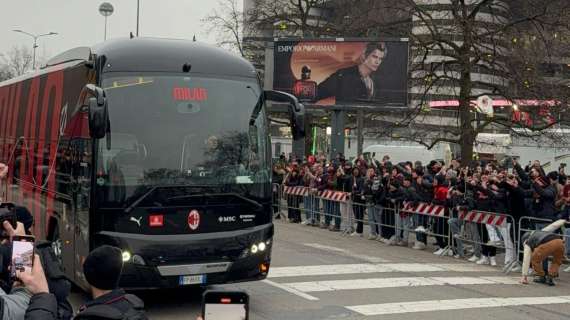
(410, 194)
(345, 85)
(516, 201)
(537, 238)
(425, 189)
(374, 190)
(543, 206)
(357, 189)
(113, 305)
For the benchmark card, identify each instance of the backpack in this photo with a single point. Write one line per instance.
(109, 311)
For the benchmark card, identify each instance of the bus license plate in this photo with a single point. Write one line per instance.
(186, 280)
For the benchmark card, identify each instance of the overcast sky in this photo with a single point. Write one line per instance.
(79, 23)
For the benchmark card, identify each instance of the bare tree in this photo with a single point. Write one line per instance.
(367, 18)
(464, 51)
(227, 22)
(307, 18)
(17, 61)
(5, 74)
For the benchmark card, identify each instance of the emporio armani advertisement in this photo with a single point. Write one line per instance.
(343, 72)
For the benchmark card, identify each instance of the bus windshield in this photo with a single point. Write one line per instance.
(181, 130)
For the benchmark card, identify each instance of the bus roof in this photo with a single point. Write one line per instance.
(169, 55)
(151, 55)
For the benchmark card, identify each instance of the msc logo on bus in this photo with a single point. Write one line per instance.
(227, 219)
(193, 219)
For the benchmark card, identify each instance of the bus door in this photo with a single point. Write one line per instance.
(81, 177)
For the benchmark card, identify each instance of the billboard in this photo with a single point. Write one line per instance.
(329, 72)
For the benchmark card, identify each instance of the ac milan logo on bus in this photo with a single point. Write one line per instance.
(193, 219)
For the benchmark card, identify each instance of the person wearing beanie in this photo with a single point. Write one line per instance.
(102, 270)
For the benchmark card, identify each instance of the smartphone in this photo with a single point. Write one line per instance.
(22, 254)
(225, 305)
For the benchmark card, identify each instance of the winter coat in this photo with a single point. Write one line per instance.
(543, 206)
(113, 305)
(357, 186)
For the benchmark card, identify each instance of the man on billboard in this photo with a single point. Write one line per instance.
(355, 82)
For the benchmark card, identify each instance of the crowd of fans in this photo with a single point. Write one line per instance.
(376, 187)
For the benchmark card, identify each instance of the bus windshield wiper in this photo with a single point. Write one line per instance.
(149, 191)
(237, 195)
(139, 200)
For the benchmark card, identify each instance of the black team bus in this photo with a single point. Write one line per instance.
(160, 147)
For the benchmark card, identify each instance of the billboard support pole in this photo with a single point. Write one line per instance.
(360, 131)
(298, 148)
(308, 137)
(337, 132)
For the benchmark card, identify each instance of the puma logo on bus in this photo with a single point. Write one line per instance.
(138, 221)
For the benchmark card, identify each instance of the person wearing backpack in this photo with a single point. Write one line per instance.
(102, 269)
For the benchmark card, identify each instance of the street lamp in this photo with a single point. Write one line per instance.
(35, 42)
(138, 11)
(106, 9)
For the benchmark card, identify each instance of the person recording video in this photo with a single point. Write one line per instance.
(17, 249)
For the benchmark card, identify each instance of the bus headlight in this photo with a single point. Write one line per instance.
(261, 246)
(126, 256)
(254, 249)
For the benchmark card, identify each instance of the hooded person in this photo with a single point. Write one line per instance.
(102, 270)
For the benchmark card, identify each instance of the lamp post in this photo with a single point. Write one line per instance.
(106, 9)
(35, 37)
(138, 10)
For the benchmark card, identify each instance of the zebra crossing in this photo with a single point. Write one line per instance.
(318, 274)
(376, 287)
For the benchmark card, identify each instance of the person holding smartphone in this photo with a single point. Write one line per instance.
(102, 269)
(15, 303)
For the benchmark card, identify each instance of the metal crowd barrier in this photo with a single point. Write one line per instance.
(277, 196)
(486, 232)
(426, 219)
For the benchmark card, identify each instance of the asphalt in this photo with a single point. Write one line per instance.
(399, 279)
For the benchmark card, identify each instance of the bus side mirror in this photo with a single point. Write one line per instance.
(296, 111)
(98, 112)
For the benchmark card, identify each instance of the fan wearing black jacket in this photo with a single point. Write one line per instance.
(358, 200)
(102, 269)
(374, 193)
(404, 222)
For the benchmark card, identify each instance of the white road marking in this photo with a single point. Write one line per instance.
(335, 269)
(291, 290)
(380, 283)
(346, 253)
(455, 304)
